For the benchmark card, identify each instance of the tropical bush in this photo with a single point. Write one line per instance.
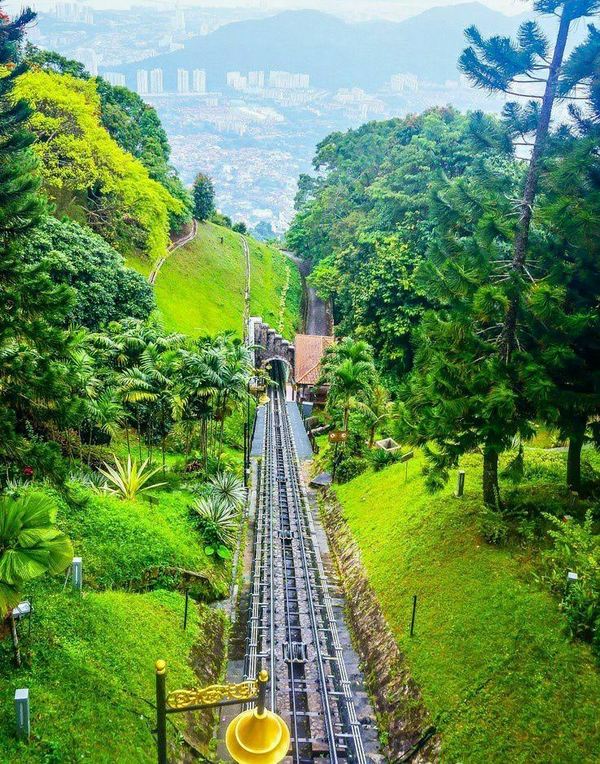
(217, 522)
(128, 479)
(227, 487)
(576, 548)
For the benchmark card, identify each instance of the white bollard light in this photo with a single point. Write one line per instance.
(77, 570)
(22, 712)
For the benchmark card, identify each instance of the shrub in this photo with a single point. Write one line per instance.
(227, 487)
(217, 522)
(576, 548)
(492, 526)
(381, 458)
(350, 467)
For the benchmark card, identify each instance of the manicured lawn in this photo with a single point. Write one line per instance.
(497, 672)
(91, 674)
(89, 660)
(200, 288)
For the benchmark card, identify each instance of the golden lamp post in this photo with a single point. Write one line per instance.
(255, 736)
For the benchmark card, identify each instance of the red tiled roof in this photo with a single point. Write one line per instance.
(309, 349)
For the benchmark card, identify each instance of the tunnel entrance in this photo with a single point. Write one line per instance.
(280, 371)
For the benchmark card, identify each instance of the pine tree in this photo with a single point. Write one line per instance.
(32, 338)
(461, 395)
(563, 305)
(499, 64)
(204, 197)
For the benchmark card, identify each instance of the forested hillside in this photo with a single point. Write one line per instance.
(121, 434)
(460, 252)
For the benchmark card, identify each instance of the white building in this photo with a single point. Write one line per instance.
(179, 20)
(89, 58)
(236, 81)
(115, 78)
(289, 81)
(199, 81)
(156, 81)
(183, 81)
(256, 79)
(142, 81)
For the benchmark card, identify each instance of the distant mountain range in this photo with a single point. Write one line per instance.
(333, 52)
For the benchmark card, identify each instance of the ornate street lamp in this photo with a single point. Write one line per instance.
(255, 736)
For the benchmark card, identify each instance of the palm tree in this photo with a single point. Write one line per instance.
(350, 381)
(30, 545)
(347, 349)
(377, 411)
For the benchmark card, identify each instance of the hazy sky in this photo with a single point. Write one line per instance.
(397, 9)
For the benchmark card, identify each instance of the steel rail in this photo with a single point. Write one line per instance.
(281, 497)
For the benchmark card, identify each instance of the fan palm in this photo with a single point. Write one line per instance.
(30, 545)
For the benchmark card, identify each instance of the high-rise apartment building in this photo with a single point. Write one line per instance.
(289, 81)
(156, 81)
(199, 81)
(89, 58)
(256, 79)
(142, 81)
(115, 78)
(183, 81)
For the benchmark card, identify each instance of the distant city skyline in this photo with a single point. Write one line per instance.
(391, 9)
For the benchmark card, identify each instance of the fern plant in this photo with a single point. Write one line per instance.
(127, 479)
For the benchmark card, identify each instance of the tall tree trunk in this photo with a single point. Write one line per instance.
(574, 455)
(491, 491)
(509, 330)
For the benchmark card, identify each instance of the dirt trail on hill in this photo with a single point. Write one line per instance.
(180, 241)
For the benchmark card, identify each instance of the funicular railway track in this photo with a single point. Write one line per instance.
(291, 628)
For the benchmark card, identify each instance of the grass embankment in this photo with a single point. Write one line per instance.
(89, 660)
(200, 287)
(498, 674)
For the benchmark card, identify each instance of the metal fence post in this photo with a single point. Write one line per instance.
(77, 573)
(460, 484)
(161, 711)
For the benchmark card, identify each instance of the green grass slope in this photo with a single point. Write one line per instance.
(200, 287)
(89, 660)
(499, 676)
(91, 680)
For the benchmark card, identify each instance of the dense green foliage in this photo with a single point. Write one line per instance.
(133, 124)
(86, 173)
(491, 652)
(366, 220)
(482, 310)
(34, 388)
(105, 289)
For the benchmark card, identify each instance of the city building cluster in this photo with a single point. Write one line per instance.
(152, 82)
(256, 81)
(73, 13)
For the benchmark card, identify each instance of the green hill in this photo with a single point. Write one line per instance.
(200, 287)
(500, 677)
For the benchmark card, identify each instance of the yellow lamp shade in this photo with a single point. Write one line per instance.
(254, 738)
